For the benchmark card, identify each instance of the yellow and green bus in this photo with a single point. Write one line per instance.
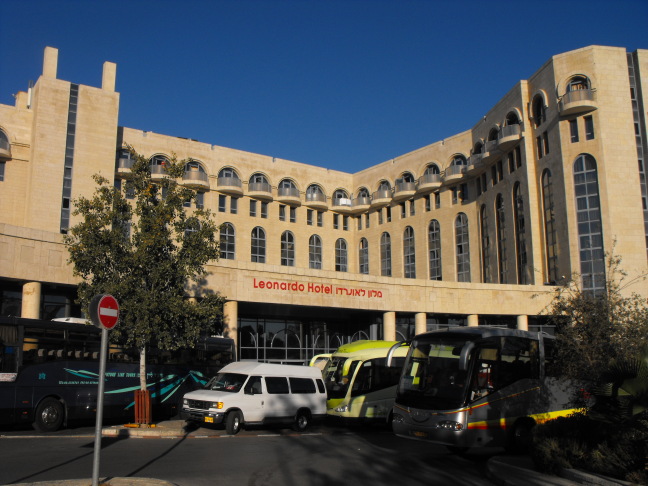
(359, 384)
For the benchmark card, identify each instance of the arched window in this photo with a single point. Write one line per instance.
(590, 231)
(227, 242)
(5, 145)
(500, 228)
(432, 169)
(194, 166)
(409, 253)
(258, 178)
(158, 160)
(551, 243)
(315, 193)
(578, 83)
(478, 148)
(520, 236)
(493, 134)
(458, 160)
(288, 188)
(315, 252)
(228, 173)
(434, 249)
(384, 186)
(341, 198)
(363, 256)
(463, 248)
(538, 110)
(407, 177)
(341, 260)
(485, 244)
(385, 255)
(258, 250)
(287, 249)
(259, 182)
(363, 192)
(512, 119)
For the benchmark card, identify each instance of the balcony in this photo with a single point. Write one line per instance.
(404, 190)
(196, 179)
(453, 173)
(475, 164)
(509, 136)
(360, 204)
(260, 190)
(490, 150)
(124, 166)
(381, 198)
(577, 101)
(288, 195)
(158, 172)
(5, 149)
(230, 185)
(316, 201)
(342, 205)
(428, 183)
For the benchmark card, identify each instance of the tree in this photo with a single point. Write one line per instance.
(142, 245)
(602, 337)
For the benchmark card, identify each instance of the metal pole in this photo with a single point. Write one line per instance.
(100, 397)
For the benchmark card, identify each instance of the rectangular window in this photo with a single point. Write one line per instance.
(282, 212)
(511, 162)
(293, 214)
(359, 223)
(234, 205)
(309, 217)
(345, 223)
(484, 182)
(493, 175)
(428, 203)
(320, 218)
(253, 208)
(336, 223)
(463, 192)
(264, 210)
(589, 128)
(437, 200)
(380, 216)
(518, 157)
(538, 147)
(573, 130)
(478, 186)
(367, 220)
(455, 194)
(403, 211)
(276, 384)
(545, 143)
(412, 208)
(200, 200)
(301, 385)
(388, 212)
(500, 171)
(222, 203)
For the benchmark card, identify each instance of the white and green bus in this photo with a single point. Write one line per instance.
(478, 387)
(359, 384)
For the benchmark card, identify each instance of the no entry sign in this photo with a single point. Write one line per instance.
(104, 311)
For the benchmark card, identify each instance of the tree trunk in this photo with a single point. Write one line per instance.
(142, 368)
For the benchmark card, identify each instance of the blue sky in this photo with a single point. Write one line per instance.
(342, 84)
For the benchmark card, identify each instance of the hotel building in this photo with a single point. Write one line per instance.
(471, 230)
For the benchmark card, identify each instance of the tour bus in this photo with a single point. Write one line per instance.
(479, 387)
(49, 370)
(359, 384)
(249, 392)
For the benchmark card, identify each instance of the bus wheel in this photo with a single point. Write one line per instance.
(520, 439)
(49, 415)
(233, 422)
(302, 420)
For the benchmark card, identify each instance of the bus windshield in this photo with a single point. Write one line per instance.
(226, 382)
(338, 375)
(432, 377)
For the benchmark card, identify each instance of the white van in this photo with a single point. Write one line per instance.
(247, 392)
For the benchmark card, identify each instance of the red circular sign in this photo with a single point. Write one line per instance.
(108, 311)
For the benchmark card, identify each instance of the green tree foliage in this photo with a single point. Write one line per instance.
(144, 247)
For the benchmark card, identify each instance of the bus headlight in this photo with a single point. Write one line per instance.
(450, 425)
(398, 419)
(342, 408)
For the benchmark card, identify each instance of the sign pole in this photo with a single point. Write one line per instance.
(100, 397)
(104, 313)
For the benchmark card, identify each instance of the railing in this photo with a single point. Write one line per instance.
(454, 170)
(361, 201)
(430, 179)
(342, 201)
(230, 181)
(259, 187)
(381, 194)
(288, 192)
(578, 95)
(124, 163)
(405, 186)
(195, 175)
(315, 197)
(158, 170)
(510, 130)
(475, 160)
(490, 146)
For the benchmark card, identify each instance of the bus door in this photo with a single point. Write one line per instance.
(374, 388)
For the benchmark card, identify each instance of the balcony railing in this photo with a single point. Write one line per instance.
(342, 204)
(158, 171)
(428, 182)
(403, 190)
(196, 178)
(508, 136)
(381, 197)
(316, 200)
(259, 187)
(289, 192)
(230, 185)
(577, 101)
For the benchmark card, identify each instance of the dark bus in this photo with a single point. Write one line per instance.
(49, 373)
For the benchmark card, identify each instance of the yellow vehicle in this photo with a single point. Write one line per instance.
(359, 384)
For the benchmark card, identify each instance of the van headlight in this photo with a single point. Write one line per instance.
(217, 405)
(185, 402)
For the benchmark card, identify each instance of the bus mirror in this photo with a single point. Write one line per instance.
(392, 350)
(465, 355)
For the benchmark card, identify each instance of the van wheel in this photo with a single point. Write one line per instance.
(233, 422)
(302, 420)
(49, 415)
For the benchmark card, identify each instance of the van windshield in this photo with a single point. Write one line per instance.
(226, 382)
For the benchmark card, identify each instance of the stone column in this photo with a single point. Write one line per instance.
(389, 326)
(420, 322)
(473, 320)
(523, 323)
(31, 298)
(230, 322)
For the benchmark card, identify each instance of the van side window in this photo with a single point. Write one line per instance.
(277, 384)
(320, 386)
(301, 385)
(253, 385)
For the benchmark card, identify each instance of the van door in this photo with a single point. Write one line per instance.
(278, 398)
(253, 400)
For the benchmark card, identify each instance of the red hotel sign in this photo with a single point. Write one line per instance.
(312, 288)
